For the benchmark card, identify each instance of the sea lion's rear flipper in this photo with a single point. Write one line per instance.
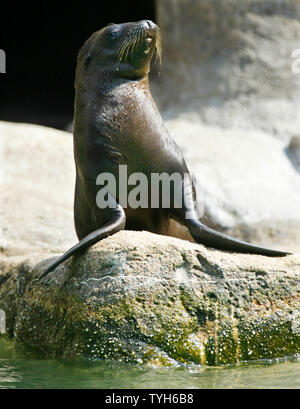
(113, 225)
(189, 216)
(211, 238)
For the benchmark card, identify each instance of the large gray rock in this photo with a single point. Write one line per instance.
(37, 178)
(143, 298)
(231, 63)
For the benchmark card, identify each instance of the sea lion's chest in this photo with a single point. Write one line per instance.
(131, 127)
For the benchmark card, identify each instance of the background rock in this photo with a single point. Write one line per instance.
(142, 298)
(231, 63)
(37, 186)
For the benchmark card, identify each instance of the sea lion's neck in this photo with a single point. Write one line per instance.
(109, 93)
(110, 84)
(108, 81)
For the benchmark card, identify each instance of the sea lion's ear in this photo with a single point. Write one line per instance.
(87, 59)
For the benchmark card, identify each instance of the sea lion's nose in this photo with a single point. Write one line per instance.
(147, 23)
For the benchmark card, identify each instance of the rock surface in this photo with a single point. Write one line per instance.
(142, 298)
(231, 63)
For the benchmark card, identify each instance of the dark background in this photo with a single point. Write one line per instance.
(41, 41)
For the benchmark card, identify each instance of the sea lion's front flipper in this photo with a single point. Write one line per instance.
(116, 223)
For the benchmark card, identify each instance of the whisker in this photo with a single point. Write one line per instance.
(158, 46)
(122, 50)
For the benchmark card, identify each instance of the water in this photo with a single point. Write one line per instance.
(24, 369)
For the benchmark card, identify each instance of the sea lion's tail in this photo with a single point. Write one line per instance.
(211, 238)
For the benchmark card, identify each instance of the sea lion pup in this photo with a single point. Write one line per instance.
(117, 123)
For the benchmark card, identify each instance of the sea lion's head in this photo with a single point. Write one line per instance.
(124, 49)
